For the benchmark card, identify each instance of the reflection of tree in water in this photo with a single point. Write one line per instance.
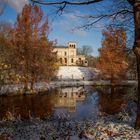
(42, 106)
(27, 106)
(111, 100)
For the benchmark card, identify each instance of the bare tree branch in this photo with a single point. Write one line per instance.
(97, 18)
(113, 14)
(66, 2)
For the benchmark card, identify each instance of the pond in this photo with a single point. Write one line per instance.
(70, 102)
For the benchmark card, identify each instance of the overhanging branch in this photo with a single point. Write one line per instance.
(66, 2)
(131, 2)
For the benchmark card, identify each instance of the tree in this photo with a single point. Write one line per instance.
(132, 66)
(5, 28)
(5, 52)
(32, 51)
(84, 50)
(112, 58)
(92, 60)
(87, 52)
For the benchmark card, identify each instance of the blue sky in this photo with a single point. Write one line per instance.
(63, 27)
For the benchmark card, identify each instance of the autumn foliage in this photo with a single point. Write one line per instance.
(5, 52)
(112, 61)
(32, 56)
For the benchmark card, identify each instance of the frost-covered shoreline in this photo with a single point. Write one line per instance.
(62, 129)
(18, 89)
(67, 76)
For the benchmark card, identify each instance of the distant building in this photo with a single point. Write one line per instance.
(67, 55)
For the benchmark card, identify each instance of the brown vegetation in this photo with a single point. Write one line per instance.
(112, 57)
(30, 57)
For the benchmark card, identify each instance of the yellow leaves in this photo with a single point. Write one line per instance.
(4, 66)
(9, 116)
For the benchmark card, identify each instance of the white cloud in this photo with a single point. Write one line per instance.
(17, 4)
(69, 23)
(80, 32)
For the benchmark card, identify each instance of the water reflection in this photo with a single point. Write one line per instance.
(76, 101)
(68, 97)
(27, 106)
(112, 100)
(42, 105)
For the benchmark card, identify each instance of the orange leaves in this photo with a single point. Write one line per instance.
(112, 59)
(31, 46)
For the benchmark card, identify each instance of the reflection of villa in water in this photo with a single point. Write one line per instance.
(61, 101)
(67, 98)
(41, 106)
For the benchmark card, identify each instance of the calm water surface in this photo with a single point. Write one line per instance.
(74, 102)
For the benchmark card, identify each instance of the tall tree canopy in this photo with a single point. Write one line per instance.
(32, 49)
(5, 52)
(112, 57)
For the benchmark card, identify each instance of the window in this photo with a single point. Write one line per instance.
(73, 46)
(65, 60)
(61, 60)
(65, 53)
(72, 60)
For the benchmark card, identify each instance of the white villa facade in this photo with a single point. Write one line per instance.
(67, 55)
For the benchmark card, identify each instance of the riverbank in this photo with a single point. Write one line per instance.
(18, 89)
(65, 83)
(63, 129)
(87, 117)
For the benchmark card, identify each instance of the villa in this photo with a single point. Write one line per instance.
(67, 55)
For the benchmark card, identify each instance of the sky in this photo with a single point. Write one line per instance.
(63, 27)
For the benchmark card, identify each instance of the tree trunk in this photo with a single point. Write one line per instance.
(112, 81)
(136, 49)
(33, 80)
(112, 90)
(32, 84)
(137, 123)
(26, 83)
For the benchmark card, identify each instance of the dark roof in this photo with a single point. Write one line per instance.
(60, 46)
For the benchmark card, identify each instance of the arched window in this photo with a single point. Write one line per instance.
(65, 60)
(61, 60)
(72, 60)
